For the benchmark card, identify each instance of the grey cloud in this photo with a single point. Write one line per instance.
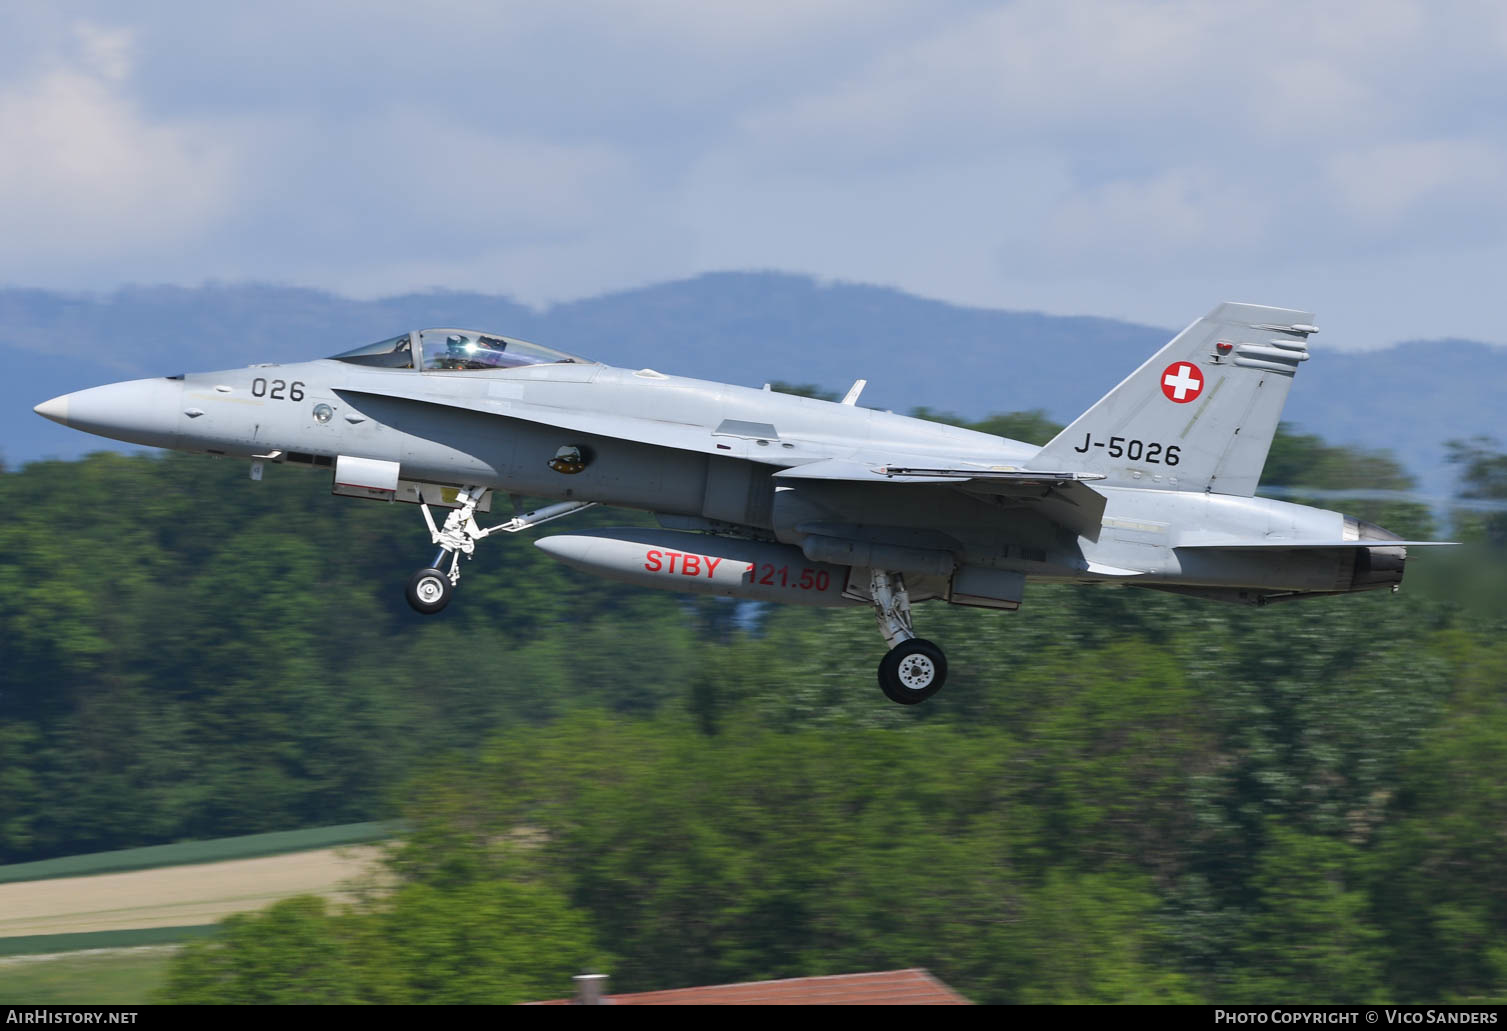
(1128, 158)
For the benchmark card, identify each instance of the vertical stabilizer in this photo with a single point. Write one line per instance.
(1200, 414)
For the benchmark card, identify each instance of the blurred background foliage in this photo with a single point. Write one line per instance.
(1122, 796)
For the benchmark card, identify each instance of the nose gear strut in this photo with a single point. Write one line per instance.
(431, 588)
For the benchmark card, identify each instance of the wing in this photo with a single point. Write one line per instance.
(1063, 497)
(662, 433)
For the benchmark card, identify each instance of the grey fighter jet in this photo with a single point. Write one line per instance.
(773, 497)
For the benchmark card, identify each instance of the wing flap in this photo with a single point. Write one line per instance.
(1062, 497)
(1024, 477)
(847, 470)
(1293, 545)
(857, 471)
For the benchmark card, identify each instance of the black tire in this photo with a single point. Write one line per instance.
(912, 672)
(429, 590)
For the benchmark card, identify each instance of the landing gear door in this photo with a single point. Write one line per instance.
(985, 588)
(378, 480)
(366, 478)
(440, 497)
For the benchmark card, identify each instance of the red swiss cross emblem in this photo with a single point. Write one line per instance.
(1182, 382)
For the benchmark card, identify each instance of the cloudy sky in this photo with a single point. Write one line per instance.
(1131, 159)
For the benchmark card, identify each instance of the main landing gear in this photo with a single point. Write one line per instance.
(912, 670)
(431, 588)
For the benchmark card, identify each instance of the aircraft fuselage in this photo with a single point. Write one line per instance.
(777, 497)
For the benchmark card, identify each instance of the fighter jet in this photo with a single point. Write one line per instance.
(773, 497)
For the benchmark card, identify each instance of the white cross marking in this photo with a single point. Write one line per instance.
(1182, 382)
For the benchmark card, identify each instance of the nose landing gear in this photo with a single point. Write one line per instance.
(431, 588)
(913, 669)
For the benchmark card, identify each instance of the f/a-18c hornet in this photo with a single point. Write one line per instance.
(773, 497)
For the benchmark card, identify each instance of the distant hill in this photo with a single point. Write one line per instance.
(737, 327)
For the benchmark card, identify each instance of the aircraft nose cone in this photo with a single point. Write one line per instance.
(56, 409)
(140, 411)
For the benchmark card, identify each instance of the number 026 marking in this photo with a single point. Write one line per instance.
(279, 390)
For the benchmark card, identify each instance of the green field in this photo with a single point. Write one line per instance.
(119, 977)
(184, 852)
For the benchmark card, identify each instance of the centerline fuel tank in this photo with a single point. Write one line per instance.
(702, 564)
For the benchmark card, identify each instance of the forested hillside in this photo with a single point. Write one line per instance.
(1120, 796)
(738, 327)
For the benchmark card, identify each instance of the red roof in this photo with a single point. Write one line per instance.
(889, 988)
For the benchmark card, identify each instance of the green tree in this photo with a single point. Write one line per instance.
(494, 943)
(1309, 937)
(1483, 477)
(296, 951)
(1092, 938)
(1439, 880)
(1300, 460)
(1033, 427)
(804, 390)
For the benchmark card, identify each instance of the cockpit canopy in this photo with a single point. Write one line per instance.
(455, 350)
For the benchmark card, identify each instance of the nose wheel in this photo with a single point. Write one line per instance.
(429, 590)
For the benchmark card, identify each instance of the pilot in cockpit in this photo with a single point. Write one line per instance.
(482, 352)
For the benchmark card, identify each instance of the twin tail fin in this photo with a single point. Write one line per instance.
(1200, 414)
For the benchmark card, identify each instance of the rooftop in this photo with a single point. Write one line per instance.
(913, 987)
